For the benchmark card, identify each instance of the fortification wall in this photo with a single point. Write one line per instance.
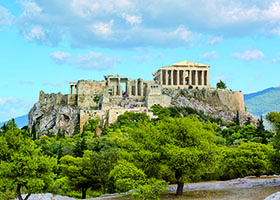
(161, 99)
(90, 87)
(86, 114)
(115, 112)
(233, 100)
(53, 99)
(85, 100)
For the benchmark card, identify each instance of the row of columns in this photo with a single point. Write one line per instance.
(195, 77)
(138, 91)
(155, 89)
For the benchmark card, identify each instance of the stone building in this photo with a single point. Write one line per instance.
(115, 95)
(183, 75)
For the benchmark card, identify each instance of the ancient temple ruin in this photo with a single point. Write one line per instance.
(115, 95)
(183, 75)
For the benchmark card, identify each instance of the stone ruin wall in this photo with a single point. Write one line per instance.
(53, 99)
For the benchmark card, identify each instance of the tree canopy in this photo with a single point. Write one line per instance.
(23, 165)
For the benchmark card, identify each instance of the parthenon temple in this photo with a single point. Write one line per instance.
(183, 74)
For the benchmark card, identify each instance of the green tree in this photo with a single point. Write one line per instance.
(274, 118)
(77, 130)
(150, 190)
(92, 125)
(80, 147)
(87, 172)
(183, 146)
(23, 165)
(127, 176)
(160, 111)
(236, 119)
(101, 164)
(247, 159)
(221, 85)
(248, 121)
(33, 132)
(131, 118)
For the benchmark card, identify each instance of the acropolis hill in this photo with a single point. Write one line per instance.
(181, 84)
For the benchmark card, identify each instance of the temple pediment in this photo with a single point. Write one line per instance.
(188, 64)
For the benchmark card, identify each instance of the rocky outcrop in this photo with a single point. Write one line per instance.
(48, 117)
(275, 196)
(217, 103)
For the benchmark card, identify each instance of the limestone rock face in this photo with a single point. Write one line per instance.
(275, 196)
(52, 117)
(222, 104)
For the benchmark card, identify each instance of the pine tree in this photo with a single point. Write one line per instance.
(236, 119)
(260, 126)
(248, 122)
(33, 132)
(80, 147)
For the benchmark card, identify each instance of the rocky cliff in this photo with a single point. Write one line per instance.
(51, 113)
(217, 103)
(54, 111)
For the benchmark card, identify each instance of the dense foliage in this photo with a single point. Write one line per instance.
(136, 154)
(221, 85)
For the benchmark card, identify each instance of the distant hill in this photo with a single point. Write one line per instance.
(20, 121)
(262, 102)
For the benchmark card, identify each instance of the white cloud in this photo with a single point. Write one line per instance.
(30, 9)
(184, 34)
(209, 55)
(5, 16)
(36, 33)
(94, 60)
(132, 19)
(103, 29)
(89, 61)
(214, 40)
(132, 24)
(250, 92)
(60, 56)
(249, 55)
(12, 107)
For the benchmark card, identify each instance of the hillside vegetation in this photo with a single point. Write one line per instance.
(136, 154)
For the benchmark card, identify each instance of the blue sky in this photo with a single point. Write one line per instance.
(44, 44)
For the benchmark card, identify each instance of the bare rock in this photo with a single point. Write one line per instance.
(52, 118)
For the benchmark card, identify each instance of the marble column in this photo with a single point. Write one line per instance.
(119, 88)
(178, 77)
(161, 78)
(171, 74)
(128, 89)
(190, 77)
(196, 77)
(70, 89)
(207, 77)
(202, 77)
(141, 88)
(136, 88)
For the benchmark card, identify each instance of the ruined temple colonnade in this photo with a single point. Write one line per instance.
(183, 74)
